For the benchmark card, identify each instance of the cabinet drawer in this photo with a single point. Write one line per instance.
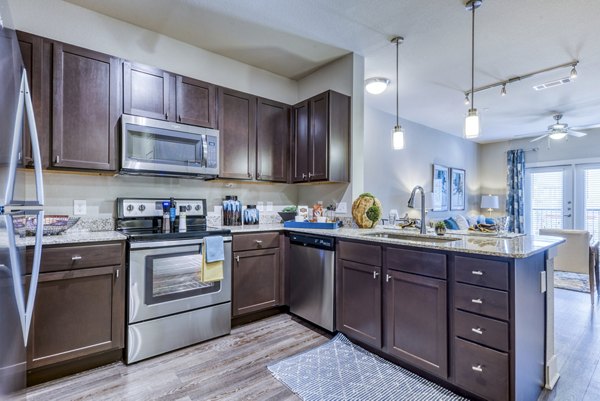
(481, 330)
(250, 242)
(480, 300)
(423, 263)
(481, 370)
(486, 273)
(359, 252)
(77, 257)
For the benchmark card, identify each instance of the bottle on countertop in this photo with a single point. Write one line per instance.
(172, 213)
(182, 219)
(166, 220)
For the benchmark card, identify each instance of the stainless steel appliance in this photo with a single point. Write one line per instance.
(168, 306)
(154, 147)
(16, 299)
(312, 279)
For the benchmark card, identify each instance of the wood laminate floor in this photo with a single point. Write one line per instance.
(234, 367)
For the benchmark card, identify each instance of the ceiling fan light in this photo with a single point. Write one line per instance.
(558, 135)
(472, 124)
(376, 86)
(398, 138)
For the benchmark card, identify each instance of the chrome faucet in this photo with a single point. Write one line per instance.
(411, 204)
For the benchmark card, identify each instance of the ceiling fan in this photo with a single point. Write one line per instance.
(559, 130)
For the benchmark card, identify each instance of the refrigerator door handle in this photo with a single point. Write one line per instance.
(25, 309)
(25, 104)
(35, 146)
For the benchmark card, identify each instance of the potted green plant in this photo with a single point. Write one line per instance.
(440, 228)
(288, 213)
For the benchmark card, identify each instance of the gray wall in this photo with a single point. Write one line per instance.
(493, 158)
(391, 174)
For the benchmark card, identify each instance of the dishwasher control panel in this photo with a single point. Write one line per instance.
(314, 241)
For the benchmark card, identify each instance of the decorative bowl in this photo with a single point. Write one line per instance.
(287, 216)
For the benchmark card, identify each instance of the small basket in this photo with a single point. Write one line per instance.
(53, 225)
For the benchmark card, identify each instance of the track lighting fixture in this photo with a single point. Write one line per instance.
(503, 91)
(573, 73)
(397, 131)
(467, 101)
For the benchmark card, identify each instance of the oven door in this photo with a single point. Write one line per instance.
(164, 279)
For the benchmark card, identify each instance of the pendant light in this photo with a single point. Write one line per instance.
(472, 123)
(397, 131)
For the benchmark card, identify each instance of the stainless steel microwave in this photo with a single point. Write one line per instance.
(162, 148)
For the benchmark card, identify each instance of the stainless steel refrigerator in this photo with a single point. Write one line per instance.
(18, 283)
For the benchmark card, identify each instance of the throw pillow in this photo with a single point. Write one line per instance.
(472, 220)
(451, 224)
(489, 220)
(463, 224)
(481, 219)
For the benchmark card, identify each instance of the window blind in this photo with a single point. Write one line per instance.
(546, 200)
(592, 201)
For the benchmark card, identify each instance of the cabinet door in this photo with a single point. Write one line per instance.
(147, 92)
(255, 280)
(31, 47)
(77, 313)
(85, 108)
(196, 102)
(416, 321)
(318, 153)
(272, 134)
(237, 132)
(300, 143)
(359, 301)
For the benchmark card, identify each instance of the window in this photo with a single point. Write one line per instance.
(592, 201)
(546, 193)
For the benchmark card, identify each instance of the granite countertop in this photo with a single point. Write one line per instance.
(515, 247)
(74, 237)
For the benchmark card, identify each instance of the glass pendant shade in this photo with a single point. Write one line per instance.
(558, 135)
(376, 86)
(398, 138)
(472, 124)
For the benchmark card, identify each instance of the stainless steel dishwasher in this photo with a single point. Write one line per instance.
(312, 279)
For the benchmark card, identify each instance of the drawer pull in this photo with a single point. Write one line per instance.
(477, 368)
(477, 330)
(477, 301)
(237, 258)
(76, 257)
(387, 278)
(258, 241)
(477, 273)
(375, 274)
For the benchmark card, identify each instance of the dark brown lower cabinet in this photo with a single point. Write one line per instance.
(256, 281)
(359, 301)
(77, 314)
(416, 321)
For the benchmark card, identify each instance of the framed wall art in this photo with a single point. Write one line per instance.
(457, 189)
(440, 188)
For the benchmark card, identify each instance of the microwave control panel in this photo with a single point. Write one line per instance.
(212, 142)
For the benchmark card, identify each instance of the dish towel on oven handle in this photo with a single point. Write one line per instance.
(213, 255)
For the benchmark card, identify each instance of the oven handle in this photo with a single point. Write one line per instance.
(169, 244)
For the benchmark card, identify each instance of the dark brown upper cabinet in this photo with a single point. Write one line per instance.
(272, 135)
(196, 102)
(85, 108)
(147, 92)
(38, 70)
(321, 139)
(237, 133)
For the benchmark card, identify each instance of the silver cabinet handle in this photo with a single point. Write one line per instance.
(387, 278)
(76, 257)
(477, 330)
(477, 368)
(477, 301)
(258, 241)
(20, 156)
(166, 116)
(57, 159)
(117, 274)
(477, 273)
(375, 274)
(310, 174)
(237, 258)
(567, 215)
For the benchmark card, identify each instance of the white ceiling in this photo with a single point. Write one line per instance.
(513, 37)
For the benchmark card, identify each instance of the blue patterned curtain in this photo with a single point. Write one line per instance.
(515, 206)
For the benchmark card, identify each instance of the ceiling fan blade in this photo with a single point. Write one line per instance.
(539, 137)
(531, 134)
(592, 126)
(576, 133)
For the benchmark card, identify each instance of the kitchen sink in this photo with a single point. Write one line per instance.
(412, 237)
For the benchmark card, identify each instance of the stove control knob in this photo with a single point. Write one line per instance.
(141, 208)
(197, 208)
(188, 207)
(129, 208)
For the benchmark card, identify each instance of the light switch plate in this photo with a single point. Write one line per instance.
(341, 208)
(79, 207)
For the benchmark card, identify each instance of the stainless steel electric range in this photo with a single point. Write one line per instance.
(169, 307)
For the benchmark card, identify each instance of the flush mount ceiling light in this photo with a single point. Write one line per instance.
(376, 85)
(472, 123)
(397, 131)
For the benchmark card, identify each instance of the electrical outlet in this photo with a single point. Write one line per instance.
(341, 208)
(79, 207)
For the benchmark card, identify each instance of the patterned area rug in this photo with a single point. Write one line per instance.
(572, 281)
(340, 370)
